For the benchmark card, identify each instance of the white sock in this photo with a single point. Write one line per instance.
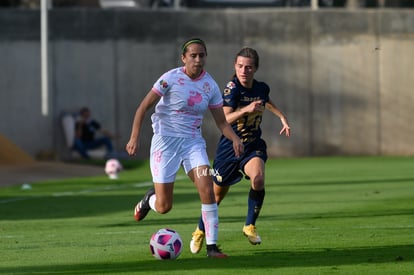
(152, 200)
(209, 214)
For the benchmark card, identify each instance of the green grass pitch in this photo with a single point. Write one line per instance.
(327, 215)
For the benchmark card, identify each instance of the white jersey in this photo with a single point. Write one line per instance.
(180, 111)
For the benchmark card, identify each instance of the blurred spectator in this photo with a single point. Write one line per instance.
(86, 139)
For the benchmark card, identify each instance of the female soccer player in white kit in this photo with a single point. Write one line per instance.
(182, 96)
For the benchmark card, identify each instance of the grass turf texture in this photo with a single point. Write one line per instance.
(342, 215)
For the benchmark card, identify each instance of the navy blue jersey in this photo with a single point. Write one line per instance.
(237, 96)
(229, 168)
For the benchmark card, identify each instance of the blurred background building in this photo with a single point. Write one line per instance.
(211, 3)
(343, 74)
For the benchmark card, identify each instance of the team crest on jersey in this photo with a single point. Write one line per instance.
(206, 87)
(231, 85)
(163, 84)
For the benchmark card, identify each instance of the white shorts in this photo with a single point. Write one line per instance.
(169, 153)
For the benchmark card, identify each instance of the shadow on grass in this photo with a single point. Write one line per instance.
(48, 207)
(256, 261)
(345, 182)
(341, 215)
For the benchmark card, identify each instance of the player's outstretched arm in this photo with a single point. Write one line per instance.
(276, 111)
(149, 100)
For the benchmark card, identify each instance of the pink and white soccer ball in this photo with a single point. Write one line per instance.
(166, 244)
(112, 168)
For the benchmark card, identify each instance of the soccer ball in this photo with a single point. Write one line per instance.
(166, 244)
(112, 168)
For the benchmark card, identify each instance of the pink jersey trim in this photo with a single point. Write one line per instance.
(196, 79)
(156, 91)
(215, 106)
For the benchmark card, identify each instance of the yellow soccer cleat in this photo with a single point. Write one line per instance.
(250, 232)
(197, 241)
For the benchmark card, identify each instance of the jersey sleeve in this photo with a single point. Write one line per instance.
(216, 99)
(266, 92)
(163, 84)
(230, 95)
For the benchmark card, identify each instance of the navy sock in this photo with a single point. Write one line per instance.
(201, 225)
(254, 204)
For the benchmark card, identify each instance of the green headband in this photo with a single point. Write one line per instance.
(191, 41)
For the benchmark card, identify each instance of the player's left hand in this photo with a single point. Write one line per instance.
(286, 130)
(286, 127)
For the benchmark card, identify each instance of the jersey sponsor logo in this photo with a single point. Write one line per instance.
(226, 92)
(251, 99)
(194, 98)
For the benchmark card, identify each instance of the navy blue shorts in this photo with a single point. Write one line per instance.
(228, 169)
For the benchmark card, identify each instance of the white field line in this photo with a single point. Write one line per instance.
(105, 188)
(73, 193)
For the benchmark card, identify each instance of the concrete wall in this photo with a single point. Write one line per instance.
(344, 78)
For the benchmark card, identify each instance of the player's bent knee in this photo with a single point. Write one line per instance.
(258, 182)
(163, 208)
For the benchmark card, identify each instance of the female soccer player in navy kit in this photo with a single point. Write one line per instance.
(182, 96)
(244, 102)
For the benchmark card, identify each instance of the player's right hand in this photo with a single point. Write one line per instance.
(255, 106)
